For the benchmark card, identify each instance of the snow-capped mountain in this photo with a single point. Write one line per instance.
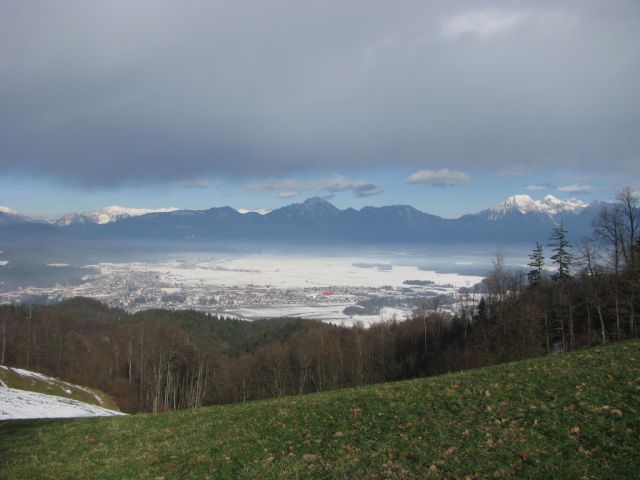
(7, 210)
(11, 217)
(549, 206)
(107, 215)
(518, 219)
(261, 211)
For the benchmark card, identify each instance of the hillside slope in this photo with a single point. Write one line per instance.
(21, 404)
(27, 394)
(576, 415)
(40, 383)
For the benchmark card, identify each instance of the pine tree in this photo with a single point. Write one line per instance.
(562, 258)
(536, 264)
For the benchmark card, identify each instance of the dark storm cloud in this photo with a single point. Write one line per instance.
(101, 93)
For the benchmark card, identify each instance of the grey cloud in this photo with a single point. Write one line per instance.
(439, 178)
(288, 194)
(292, 188)
(101, 93)
(196, 183)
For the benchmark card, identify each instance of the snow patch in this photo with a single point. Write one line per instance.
(7, 210)
(66, 386)
(261, 211)
(29, 373)
(15, 403)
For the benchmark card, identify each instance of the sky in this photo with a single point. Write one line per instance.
(448, 106)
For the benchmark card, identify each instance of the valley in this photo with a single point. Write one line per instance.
(335, 289)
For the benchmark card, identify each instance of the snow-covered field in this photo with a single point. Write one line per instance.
(263, 286)
(60, 399)
(50, 384)
(252, 286)
(294, 272)
(16, 404)
(332, 313)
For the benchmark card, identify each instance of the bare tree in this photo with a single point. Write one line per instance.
(628, 211)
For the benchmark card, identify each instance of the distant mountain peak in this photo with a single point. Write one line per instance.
(524, 204)
(312, 208)
(551, 199)
(108, 214)
(7, 210)
(9, 216)
(317, 201)
(319, 205)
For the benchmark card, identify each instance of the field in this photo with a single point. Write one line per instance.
(574, 415)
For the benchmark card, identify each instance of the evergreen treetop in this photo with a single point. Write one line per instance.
(536, 264)
(562, 257)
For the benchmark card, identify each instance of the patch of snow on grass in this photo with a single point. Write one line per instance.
(16, 404)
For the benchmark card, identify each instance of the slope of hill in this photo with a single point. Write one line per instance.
(27, 394)
(19, 378)
(574, 415)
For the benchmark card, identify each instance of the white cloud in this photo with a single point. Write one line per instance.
(292, 188)
(439, 178)
(576, 188)
(482, 22)
(534, 187)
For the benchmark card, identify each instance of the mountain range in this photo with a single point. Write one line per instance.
(107, 215)
(519, 219)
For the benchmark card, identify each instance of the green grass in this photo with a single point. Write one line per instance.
(55, 386)
(570, 416)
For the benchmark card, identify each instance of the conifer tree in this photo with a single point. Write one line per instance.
(562, 258)
(536, 264)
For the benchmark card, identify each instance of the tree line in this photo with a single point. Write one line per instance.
(161, 360)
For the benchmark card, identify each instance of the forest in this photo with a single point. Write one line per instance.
(158, 360)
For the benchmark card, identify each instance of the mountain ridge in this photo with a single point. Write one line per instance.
(317, 206)
(519, 219)
(109, 214)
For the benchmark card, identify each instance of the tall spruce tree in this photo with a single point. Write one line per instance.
(562, 258)
(536, 264)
